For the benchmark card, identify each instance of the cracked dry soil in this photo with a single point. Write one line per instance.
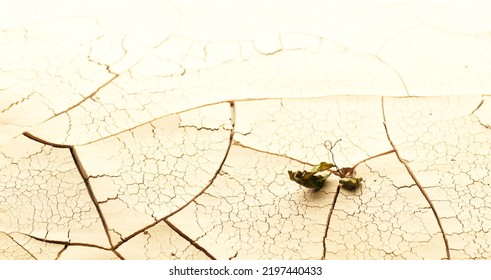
(166, 144)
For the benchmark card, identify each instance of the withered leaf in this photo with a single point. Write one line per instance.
(350, 182)
(308, 179)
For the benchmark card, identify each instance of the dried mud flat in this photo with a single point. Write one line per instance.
(165, 130)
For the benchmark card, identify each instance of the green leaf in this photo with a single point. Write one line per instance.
(309, 179)
(322, 167)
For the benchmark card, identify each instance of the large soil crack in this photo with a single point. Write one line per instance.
(413, 176)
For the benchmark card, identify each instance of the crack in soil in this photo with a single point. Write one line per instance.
(333, 205)
(85, 178)
(165, 219)
(416, 181)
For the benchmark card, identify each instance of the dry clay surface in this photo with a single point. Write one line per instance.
(165, 130)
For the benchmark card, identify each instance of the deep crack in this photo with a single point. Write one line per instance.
(416, 181)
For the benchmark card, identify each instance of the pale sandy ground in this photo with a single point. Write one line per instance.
(165, 129)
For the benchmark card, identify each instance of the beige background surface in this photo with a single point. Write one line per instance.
(165, 129)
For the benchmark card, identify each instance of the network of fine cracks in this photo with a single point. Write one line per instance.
(319, 174)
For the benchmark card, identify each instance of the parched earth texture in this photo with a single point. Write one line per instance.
(165, 129)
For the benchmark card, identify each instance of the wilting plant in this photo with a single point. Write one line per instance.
(316, 177)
